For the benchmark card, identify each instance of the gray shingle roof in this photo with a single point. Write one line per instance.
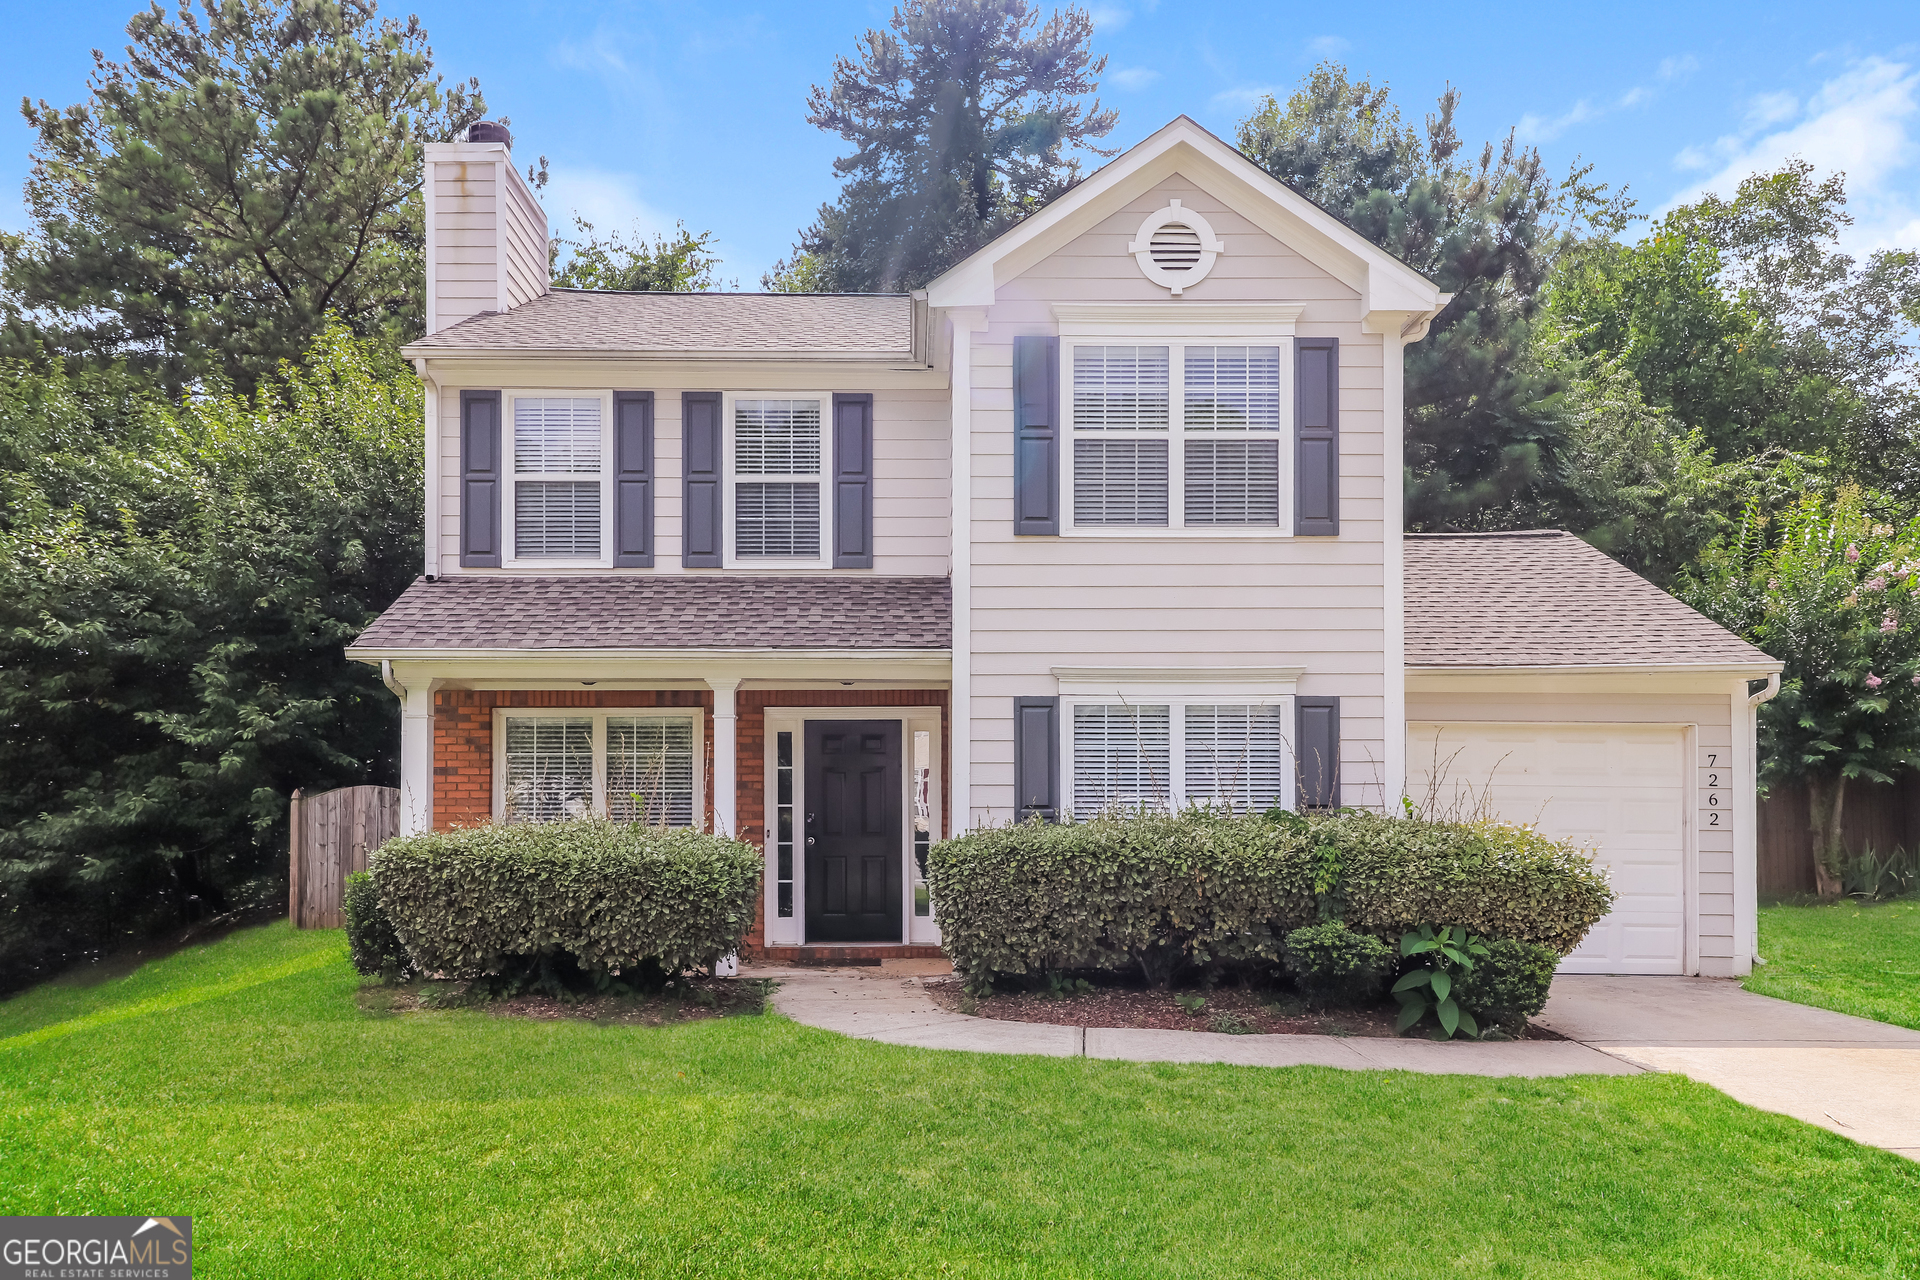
(1545, 598)
(809, 324)
(693, 611)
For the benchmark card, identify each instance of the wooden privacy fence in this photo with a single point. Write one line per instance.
(1874, 816)
(330, 836)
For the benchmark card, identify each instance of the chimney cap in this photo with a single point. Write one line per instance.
(489, 131)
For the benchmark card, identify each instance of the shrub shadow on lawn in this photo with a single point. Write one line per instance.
(687, 999)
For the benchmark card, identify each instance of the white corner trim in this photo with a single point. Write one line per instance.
(1263, 320)
(1211, 247)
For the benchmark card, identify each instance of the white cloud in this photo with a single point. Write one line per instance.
(1533, 128)
(1635, 96)
(1108, 18)
(1861, 123)
(1328, 46)
(1246, 97)
(598, 54)
(610, 201)
(1771, 108)
(1678, 68)
(1134, 77)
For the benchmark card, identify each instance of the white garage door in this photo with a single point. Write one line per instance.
(1616, 788)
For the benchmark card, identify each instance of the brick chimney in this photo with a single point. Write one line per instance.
(486, 233)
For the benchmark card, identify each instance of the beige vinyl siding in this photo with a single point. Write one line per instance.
(1186, 601)
(1711, 717)
(465, 218)
(911, 503)
(526, 244)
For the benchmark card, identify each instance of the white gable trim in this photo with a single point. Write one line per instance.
(1384, 283)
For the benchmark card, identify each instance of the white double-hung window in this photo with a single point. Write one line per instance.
(1184, 739)
(777, 459)
(629, 764)
(559, 449)
(1178, 418)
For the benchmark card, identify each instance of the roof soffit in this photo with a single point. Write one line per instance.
(1186, 150)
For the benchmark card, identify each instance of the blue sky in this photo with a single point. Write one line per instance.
(652, 112)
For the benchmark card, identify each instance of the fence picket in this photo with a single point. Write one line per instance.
(329, 838)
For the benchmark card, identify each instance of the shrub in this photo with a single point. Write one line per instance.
(1509, 984)
(603, 896)
(1199, 888)
(1332, 965)
(372, 944)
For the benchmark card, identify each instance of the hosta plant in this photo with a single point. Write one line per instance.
(1441, 958)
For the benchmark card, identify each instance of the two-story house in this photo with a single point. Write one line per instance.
(1108, 515)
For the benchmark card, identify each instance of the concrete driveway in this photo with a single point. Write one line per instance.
(1850, 1075)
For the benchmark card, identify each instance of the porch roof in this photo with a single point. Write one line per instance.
(489, 612)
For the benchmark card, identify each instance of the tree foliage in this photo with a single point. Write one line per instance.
(964, 116)
(177, 585)
(1483, 437)
(247, 171)
(1834, 593)
(680, 263)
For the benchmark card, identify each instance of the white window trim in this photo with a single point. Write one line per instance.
(1176, 689)
(600, 716)
(508, 507)
(1176, 325)
(792, 931)
(730, 456)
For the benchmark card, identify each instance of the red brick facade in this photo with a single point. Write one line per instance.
(463, 754)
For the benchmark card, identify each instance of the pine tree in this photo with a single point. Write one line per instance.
(229, 185)
(1482, 435)
(963, 115)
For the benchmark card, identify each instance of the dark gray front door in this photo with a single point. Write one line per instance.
(853, 831)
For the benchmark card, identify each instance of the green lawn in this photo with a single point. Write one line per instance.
(1858, 959)
(242, 1083)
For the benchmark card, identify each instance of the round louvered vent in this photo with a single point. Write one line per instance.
(1175, 247)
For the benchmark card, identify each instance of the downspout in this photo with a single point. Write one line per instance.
(1766, 694)
(392, 681)
(1746, 869)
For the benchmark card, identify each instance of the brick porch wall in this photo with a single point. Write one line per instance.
(463, 740)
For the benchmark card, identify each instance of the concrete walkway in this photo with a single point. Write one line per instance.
(1852, 1076)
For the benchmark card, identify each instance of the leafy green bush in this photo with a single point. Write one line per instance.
(1205, 889)
(1442, 959)
(1332, 965)
(372, 944)
(1509, 984)
(603, 896)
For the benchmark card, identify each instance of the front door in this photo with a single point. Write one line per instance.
(853, 831)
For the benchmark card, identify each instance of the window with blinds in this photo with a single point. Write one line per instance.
(1122, 758)
(1177, 436)
(559, 474)
(650, 767)
(1166, 755)
(1235, 756)
(549, 768)
(780, 445)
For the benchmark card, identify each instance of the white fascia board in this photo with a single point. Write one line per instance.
(612, 665)
(1609, 678)
(1224, 682)
(1382, 280)
(672, 372)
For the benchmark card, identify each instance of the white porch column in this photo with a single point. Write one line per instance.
(725, 750)
(416, 756)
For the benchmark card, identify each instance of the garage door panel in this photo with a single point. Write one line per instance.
(1616, 789)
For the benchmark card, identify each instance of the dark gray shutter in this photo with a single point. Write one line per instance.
(1036, 758)
(1316, 437)
(480, 479)
(633, 479)
(702, 505)
(1317, 752)
(1036, 435)
(852, 481)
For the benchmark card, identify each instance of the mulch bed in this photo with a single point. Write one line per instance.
(1235, 1010)
(691, 1001)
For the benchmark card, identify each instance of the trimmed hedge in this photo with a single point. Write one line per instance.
(1198, 888)
(469, 902)
(1509, 984)
(372, 945)
(1333, 965)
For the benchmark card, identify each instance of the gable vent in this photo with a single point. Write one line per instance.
(1175, 248)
